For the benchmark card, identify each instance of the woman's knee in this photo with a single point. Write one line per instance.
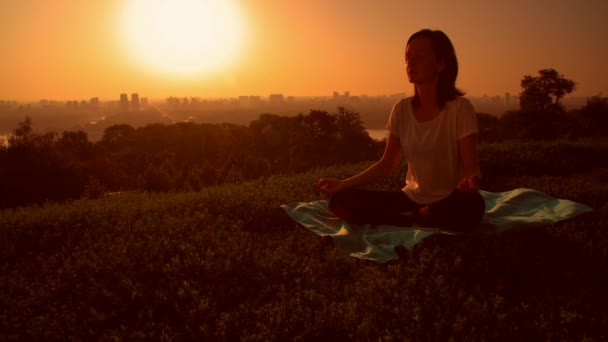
(477, 204)
(461, 212)
(473, 208)
(338, 203)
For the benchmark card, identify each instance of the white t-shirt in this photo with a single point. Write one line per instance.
(431, 148)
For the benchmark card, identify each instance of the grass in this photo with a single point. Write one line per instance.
(226, 264)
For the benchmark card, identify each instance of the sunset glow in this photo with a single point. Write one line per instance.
(185, 38)
(70, 49)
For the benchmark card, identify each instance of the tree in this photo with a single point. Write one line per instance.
(543, 93)
(595, 112)
(273, 137)
(77, 144)
(118, 136)
(348, 121)
(33, 170)
(314, 133)
(353, 143)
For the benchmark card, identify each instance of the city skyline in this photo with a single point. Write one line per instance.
(68, 50)
(124, 98)
(494, 105)
(95, 114)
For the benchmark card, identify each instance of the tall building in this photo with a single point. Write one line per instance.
(135, 102)
(276, 98)
(338, 97)
(254, 100)
(173, 102)
(124, 102)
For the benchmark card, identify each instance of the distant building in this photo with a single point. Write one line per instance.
(135, 102)
(254, 100)
(124, 102)
(144, 102)
(276, 98)
(94, 101)
(173, 102)
(251, 100)
(341, 98)
(72, 105)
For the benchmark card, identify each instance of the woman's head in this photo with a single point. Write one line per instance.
(430, 55)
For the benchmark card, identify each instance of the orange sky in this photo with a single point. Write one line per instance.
(71, 49)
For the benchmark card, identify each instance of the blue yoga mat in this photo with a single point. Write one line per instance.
(519, 208)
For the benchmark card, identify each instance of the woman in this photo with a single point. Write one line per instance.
(436, 131)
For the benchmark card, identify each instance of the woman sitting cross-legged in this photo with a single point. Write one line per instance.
(436, 132)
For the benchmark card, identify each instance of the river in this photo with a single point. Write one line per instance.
(377, 134)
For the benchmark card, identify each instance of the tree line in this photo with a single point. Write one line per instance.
(542, 116)
(186, 156)
(531, 124)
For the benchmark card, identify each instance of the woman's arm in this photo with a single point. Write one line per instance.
(380, 169)
(467, 148)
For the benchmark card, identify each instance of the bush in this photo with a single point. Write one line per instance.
(226, 264)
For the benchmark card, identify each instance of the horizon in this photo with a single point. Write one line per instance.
(68, 50)
(265, 98)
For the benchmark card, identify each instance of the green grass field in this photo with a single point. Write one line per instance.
(227, 264)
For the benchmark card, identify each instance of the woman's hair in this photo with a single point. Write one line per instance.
(444, 51)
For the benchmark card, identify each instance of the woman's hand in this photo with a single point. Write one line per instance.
(382, 168)
(470, 184)
(330, 185)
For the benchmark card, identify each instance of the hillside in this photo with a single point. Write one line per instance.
(226, 264)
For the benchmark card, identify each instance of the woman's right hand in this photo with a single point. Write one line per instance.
(330, 185)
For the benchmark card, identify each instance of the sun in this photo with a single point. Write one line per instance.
(182, 38)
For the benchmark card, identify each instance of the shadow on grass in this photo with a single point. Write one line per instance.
(517, 265)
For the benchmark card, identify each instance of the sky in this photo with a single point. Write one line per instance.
(74, 50)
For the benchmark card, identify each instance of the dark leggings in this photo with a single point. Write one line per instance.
(460, 211)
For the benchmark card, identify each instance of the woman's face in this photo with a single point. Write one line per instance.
(422, 64)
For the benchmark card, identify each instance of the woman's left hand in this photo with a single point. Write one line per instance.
(470, 184)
